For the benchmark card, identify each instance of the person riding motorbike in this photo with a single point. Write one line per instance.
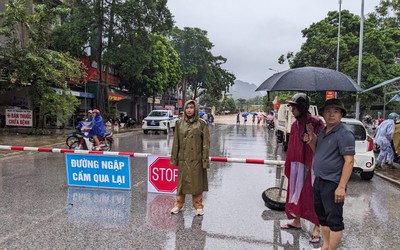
(97, 129)
(270, 117)
(270, 120)
(89, 117)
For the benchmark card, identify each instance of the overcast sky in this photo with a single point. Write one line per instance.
(252, 34)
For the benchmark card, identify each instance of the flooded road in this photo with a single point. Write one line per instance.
(39, 211)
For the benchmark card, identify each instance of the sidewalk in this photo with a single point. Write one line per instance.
(57, 140)
(392, 175)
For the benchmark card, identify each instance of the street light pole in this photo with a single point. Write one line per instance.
(277, 93)
(338, 36)
(360, 58)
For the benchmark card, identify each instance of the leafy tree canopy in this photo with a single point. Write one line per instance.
(201, 69)
(381, 47)
(163, 71)
(26, 59)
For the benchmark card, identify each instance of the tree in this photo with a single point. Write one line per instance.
(380, 48)
(241, 104)
(229, 104)
(140, 27)
(207, 101)
(28, 61)
(218, 80)
(164, 71)
(202, 72)
(118, 33)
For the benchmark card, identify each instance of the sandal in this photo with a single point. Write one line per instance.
(290, 226)
(315, 239)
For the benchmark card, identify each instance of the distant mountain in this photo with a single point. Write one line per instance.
(244, 90)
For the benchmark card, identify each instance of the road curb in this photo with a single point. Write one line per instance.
(388, 178)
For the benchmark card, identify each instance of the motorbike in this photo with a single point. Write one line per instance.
(73, 138)
(130, 123)
(78, 140)
(368, 120)
(270, 123)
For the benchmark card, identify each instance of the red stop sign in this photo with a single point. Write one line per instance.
(163, 176)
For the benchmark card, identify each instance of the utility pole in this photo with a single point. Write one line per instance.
(360, 58)
(338, 38)
(338, 35)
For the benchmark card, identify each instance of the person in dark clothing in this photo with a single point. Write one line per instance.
(334, 149)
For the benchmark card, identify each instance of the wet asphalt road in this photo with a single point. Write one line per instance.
(39, 211)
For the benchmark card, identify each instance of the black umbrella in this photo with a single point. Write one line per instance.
(309, 79)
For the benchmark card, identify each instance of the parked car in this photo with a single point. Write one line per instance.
(364, 159)
(159, 120)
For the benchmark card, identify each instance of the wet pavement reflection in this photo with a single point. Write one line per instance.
(39, 211)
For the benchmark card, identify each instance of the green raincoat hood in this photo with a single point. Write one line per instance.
(196, 111)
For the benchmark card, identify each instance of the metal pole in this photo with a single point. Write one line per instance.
(85, 97)
(384, 104)
(360, 58)
(277, 93)
(338, 36)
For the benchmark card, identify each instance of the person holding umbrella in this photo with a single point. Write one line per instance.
(299, 157)
(254, 114)
(334, 149)
(245, 114)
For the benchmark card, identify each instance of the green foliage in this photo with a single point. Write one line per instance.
(40, 132)
(73, 34)
(163, 71)
(218, 80)
(132, 39)
(220, 105)
(122, 33)
(241, 104)
(53, 105)
(381, 47)
(229, 104)
(28, 61)
(201, 69)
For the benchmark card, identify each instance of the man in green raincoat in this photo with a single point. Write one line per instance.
(190, 152)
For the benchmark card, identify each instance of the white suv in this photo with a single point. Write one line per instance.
(159, 120)
(364, 159)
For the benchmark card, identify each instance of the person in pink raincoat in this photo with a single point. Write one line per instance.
(298, 165)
